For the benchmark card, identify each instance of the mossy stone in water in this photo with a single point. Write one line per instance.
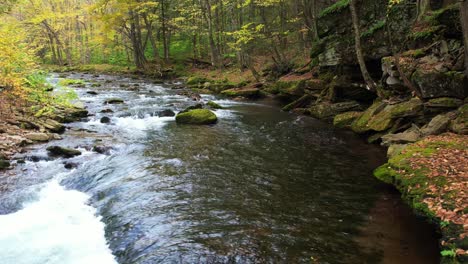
(4, 164)
(214, 105)
(197, 117)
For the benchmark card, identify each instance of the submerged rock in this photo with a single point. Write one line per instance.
(114, 101)
(92, 92)
(105, 120)
(101, 149)
(107, 111)
(70, 165)
(166, 113)
(197, 117)
(63, 152)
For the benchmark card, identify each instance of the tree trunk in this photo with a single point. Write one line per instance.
(371, 85)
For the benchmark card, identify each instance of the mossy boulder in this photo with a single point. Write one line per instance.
(459, 124)
(192, 107)
(197, 117)
(243, 92)
(4, 164)
(328, 110)
(214, 105)
(360, 125)
(444, 102)
(346, 119)
(385, 119)
(63, 152)
(288, 90)
(433, 84)
(381, 116)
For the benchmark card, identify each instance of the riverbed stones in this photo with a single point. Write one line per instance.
(38, 137)
(70, 165)
(52, 125)
(63, 152)
(114, 101)
(197, 117)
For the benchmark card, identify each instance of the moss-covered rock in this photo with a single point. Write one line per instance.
(459, 124)
(214, 105)
(52, 125)
(434, 84)
(360, 125)
(426, 187)
(4, 164)
(192, 107)
(243, 92)
(444, 102)
(63, 152)
(346, 119)
(328, 110)
(385, 119)
(197, 117)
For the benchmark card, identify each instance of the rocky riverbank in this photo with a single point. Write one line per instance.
(20, 128)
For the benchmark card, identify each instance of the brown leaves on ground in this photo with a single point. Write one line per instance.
(447, 197)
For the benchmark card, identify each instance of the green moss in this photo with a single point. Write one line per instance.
(336, 7)
(67, 82)
(214, 105)
(360, 124)
(416, 53)
(426, 33)
(346, 119)
(245, 92)
(375, 27)
(197, 117)
(385, 119)
(197, 80)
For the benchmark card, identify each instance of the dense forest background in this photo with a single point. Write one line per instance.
(363, 41)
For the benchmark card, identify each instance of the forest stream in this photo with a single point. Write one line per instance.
(260, 186)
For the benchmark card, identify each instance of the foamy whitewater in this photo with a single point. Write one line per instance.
(58, 228)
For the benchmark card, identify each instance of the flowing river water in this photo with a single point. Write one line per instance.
(261, 186)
